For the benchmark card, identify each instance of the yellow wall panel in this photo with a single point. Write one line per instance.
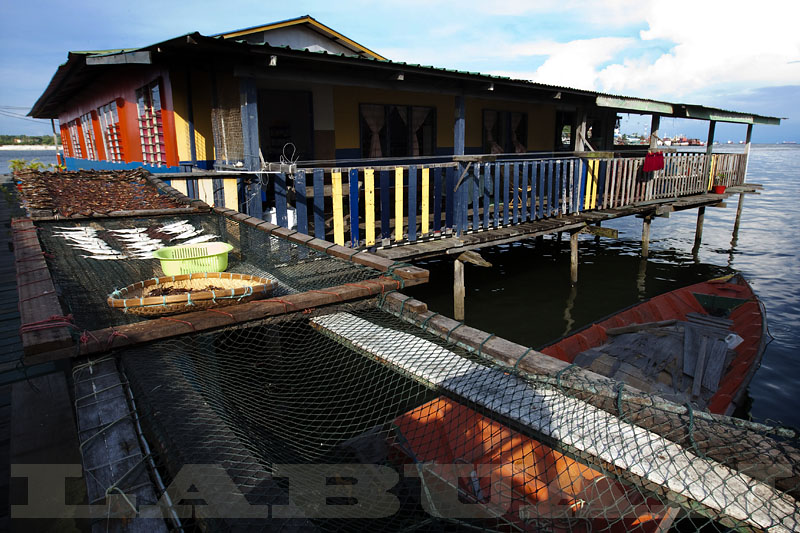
(347, 99)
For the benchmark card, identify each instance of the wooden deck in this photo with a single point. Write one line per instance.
(472, 240)
(21, 415)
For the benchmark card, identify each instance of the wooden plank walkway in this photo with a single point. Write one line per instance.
(14, 377)
(453, 245)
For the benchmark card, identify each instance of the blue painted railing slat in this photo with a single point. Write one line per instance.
(450, 182)
(515, 192)
(487, 192)
(523, 194)
(437, 199)
(301, 201)
(496, 195)
(354, 234)
(319, 203)
(280, 199)
(506, 171)
(386, 205)
(412, 203)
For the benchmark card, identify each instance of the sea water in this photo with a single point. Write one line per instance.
(526, 296)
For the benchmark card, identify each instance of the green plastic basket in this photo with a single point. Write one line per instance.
(191, 258)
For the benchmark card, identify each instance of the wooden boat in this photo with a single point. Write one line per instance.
(699, 344)
(513, 481)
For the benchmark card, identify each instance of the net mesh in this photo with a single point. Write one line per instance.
(351, 419)
(84, 275)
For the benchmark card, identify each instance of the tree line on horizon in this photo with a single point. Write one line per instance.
(44, 140)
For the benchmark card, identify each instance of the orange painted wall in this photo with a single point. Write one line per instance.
(121, 86)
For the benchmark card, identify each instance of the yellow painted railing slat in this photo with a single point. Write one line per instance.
(398, 204)
(369, 204)
(338, 212)
(231, 191)
(205, 188)
(425, 199)
(180, 186)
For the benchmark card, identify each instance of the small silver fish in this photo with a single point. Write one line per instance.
(202, 238)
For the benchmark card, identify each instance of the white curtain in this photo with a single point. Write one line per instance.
(418, 116)
(489, 119)
(375, 119)
(516, 118)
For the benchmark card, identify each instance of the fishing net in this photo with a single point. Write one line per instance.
(350, 418)
(85, 274)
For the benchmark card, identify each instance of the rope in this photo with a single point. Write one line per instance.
(521, 357)
(425, 322)
(395, 266)
(403, 306)
(181, 321)
(620, 387)
(115, 333)
(339, 296)
(382, 299)
(693, 442)
(284, 302)
(452, 330)
(561, 373)
(222, 313)
(480, 347)
(55, 321)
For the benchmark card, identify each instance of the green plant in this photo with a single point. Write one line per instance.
(17, 165)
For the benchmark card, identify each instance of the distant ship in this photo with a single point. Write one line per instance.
(788, 142)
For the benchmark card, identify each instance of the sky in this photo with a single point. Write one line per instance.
(731, 54)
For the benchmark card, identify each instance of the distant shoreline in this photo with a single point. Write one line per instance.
(29, 147)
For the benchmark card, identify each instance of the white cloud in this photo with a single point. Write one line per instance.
(572, 64)
(736, 42)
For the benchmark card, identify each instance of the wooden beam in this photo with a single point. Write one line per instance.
(125, 58)
(600, 231)
(634, 104)
(459, 291)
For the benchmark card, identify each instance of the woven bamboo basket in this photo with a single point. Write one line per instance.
(207, 289)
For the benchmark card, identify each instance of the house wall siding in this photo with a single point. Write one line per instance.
(121, 86)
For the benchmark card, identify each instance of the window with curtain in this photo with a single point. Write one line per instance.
(505, 132)
(397, 130)
(74, 139)
(87, 129)
(109, 127)
(151, 126)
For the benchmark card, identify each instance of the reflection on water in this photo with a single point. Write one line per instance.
(527, 296)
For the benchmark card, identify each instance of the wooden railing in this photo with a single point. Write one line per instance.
(383, 206)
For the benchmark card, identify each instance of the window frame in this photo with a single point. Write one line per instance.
(111, 132)
(150, 119)
(386, 137)
(507, 135)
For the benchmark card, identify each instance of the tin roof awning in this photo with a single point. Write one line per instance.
(655, 107)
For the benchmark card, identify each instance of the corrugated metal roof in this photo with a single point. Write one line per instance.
(611, 101)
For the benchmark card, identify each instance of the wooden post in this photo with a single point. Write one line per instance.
(248, 94)
(746, 155)
(573, 257)
(709, 150)
(698, 234)
(655, 123)
(459, 290)
(738, 218)
(459, 128)
(580, 132)
(646, 236)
